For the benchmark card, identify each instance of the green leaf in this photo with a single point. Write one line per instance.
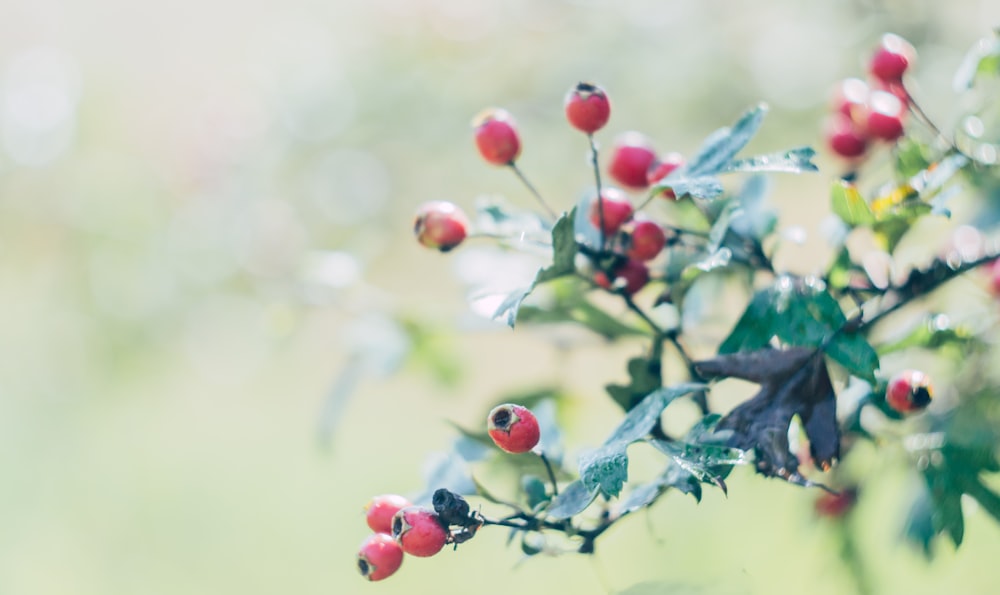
(935, 332)
(644, 378)
(606, 468)
(911, 157)
(793, 161)
(849, 205)
(722, 145)
(800, 312)
(564, 250)
(855, 354)
(573, 500)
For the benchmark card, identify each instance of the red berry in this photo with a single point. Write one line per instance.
(630, 277)
(380, 510)
(645, 239)
(587, 107)
(440, 225)
(663, 168)
(616, 210)
(631, 157)
(379, 557)
(419, 531)
(513, 428)
(844, 138)
(850, 98)
(496, 136)
(908, 391)
(891, 59)
(885, 116)
(836, 505)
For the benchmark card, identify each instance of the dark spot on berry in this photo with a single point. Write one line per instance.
(363, 566)
(585, 88)
(397, 526)
(921, 397)
(502, 418)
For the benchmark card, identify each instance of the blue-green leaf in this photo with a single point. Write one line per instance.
(794, 161)
(722, 145)
(573, 500)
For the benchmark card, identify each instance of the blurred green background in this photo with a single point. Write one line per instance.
(205, 214)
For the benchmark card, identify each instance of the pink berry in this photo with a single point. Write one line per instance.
(663, 168)
(845, 138)
(380, 510)
(587, 107)
(645, 239)
(440, 225)
(513, 428)
(891, 59)
(614, 210)
(850, 97)
(909, 391)
(993, 269)
(631, 157)
(379, 557)
(496, 136)
(419, 531)
(630, 277)
(885, 116)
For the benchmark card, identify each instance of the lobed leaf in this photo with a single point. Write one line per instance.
(606, 468)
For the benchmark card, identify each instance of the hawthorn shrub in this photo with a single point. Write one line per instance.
(625, 262)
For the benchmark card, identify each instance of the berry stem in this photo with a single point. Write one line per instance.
(533, 190)
(597, 182)
(549, 471)
(923, 117)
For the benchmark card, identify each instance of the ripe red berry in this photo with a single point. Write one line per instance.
(850, 97)
(836, 505)
(440, 225)
(885, 116)
(379, 557)
(616, 207)
(891, 59)
(631, 157)
(645, 239)
(380, 510)
(630, 277)
(845, 138)
(513, 428)
(909, 391)
(419, 531)
(496, 136)
(587, 107)
(663, 168)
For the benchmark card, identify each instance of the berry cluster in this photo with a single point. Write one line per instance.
(864, 113)
(629, 239)
(400, 527)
